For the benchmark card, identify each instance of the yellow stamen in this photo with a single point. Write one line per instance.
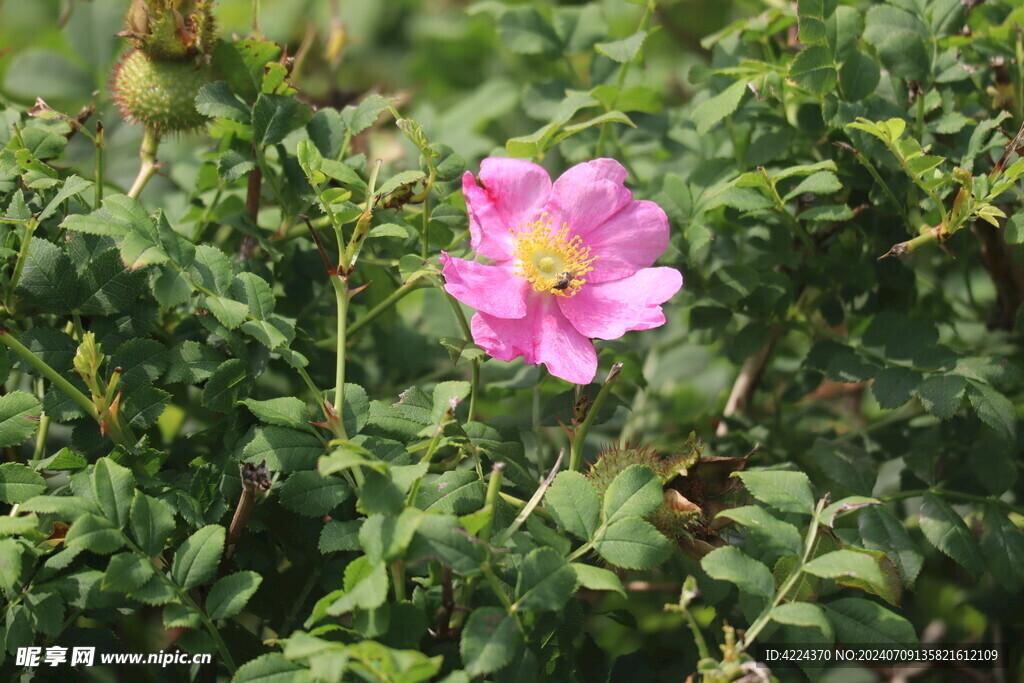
(550, 260)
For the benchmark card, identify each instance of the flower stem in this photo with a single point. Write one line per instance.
(474, 383)
(341, 297)
(19, 266)
(44, 427)
(147, 153)
(765, 617)
(580, 435)
(98, 141)
(491, 501)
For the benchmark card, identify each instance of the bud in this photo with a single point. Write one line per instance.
(88, 359)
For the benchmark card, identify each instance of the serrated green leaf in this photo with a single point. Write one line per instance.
(95, 533)
(711, 111)
(749, 575)
(285, 450)
(784, 491)
(196, 560)
(457, 492)
(859, 621)
(270, 668)
(803, 614)
(150, 523)
(624, 50)
(489, 640)
(546, 582)
(49, 280)
(598, 578)
(229, 312)
(19, 483)
(946, 530)
(217, 101)
(768, 529)
(126, 572)
(228, 384)
(523, 30)
(19, 418)
(272, 118)
(230, 594)
(386, 537)
(191, 362)
(441, 538)
(941, 394)
(366, 587)
(574, 503)
(994, 409)
(895, 386)
(113, 487)
(286, 411)
(632, 543)
(312, 494)
(840, 564)
(1002, 544)
(340, 536)
(881, 530)
(635, 492)
(814, 69)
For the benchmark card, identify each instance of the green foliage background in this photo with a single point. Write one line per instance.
(791, 148)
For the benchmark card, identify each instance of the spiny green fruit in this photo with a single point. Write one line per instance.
(159, 94)
(171, 30)
(693, 487)
(675, 517)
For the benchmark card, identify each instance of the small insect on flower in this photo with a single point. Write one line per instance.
(564, 280)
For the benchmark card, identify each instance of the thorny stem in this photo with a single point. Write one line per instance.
(147, 153)
(580, 434)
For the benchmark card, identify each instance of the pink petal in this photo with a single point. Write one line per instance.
(632, 239)
(512, 195)
(610, 309)
(491, 289)
(587, 195)
(542, 336)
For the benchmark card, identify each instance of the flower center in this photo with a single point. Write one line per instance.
(550, 260)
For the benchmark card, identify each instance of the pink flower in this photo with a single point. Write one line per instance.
(569, 263)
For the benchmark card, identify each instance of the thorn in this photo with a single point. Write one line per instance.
(328, 264)
(353, 292)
